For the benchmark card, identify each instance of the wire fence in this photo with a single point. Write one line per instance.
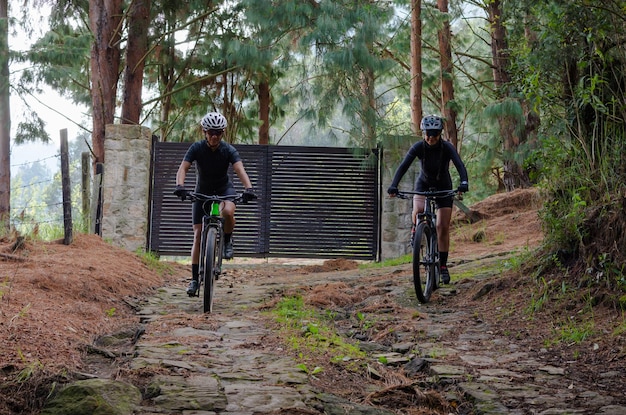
(37, 195)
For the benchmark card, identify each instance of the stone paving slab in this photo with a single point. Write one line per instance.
(221, 368)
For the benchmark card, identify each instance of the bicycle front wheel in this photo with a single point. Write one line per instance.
(210, 257)
(423, 264)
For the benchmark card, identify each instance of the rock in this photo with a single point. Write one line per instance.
(94, 396)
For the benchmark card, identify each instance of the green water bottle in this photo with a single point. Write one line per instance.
(215, 209)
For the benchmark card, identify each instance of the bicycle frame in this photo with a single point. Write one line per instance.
(211, 244)
(212, 219)
(425, 245)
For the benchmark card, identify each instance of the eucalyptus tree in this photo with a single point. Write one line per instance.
(5, 120)
(105, 22)
(509, 106)
(416, 64)
(136, 52)
(448, 106)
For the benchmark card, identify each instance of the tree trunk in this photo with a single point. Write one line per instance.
(264, 112)
(416, 64)
(514, 175)
(136, 49)
(165, 54)
(447, 86)
(499, 46)
(105, 18)
(5, 122)
(368, 107)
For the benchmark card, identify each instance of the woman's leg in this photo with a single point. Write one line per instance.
(444, 216)
(228, 213)
(195, 248)
(418, 206)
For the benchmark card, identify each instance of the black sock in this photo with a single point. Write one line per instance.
(443, 259)
(227, 237)
(195, 269)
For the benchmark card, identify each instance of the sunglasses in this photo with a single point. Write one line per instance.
(214, 132)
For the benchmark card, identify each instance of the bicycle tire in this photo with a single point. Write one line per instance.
(210, 257)
(423, 265)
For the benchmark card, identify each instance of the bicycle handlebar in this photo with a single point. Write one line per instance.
(408, 194)
(195, 196)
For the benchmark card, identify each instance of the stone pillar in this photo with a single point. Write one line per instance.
(396, 220)
(127, 154)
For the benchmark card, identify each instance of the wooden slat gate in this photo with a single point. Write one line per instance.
(314, 202)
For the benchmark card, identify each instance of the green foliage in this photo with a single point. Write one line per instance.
(29, 370)
(303, 367)
(621, 329)
(31, 128)
(37, 201)
(573, 332)
(538, 298)
(152, 260)
(308, 332)
(60, 59)
(571, 73)
(401, 260)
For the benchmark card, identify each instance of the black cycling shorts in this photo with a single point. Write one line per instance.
(442, 202)
(196, 210)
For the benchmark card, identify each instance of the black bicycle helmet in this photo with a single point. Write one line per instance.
(431, 122)
(213, 121)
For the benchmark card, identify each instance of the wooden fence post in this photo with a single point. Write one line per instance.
(96, 197)
(67, 189)
(85, 189)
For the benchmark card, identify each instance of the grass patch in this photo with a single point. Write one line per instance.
(573, 333)
(153, 262)
(309, 333)
(621, 328)
(401, 260)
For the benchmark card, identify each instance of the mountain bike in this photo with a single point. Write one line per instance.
(211, 244)
(426, 278)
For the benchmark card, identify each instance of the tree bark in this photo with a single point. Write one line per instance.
(499, 45)
(165, 55)
(368, 106)
(264, 112)
(5, 121)
(416, 64)
(105, 20)
(136, 49)
(447, 86)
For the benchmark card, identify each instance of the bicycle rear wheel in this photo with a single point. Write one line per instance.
(210, 257)
(423, 264)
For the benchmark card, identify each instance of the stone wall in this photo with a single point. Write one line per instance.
(126, 184)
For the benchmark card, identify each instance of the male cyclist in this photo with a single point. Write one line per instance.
(435, 155)
(212, 157)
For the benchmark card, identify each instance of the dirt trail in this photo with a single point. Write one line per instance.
(474, 349)
(437, 358)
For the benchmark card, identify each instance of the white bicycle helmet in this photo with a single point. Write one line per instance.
(213, 121)
(431, 122)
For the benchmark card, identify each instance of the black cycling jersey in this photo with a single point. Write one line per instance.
(212, 166)
(435, 165)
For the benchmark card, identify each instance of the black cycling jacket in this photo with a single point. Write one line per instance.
(435, 165)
